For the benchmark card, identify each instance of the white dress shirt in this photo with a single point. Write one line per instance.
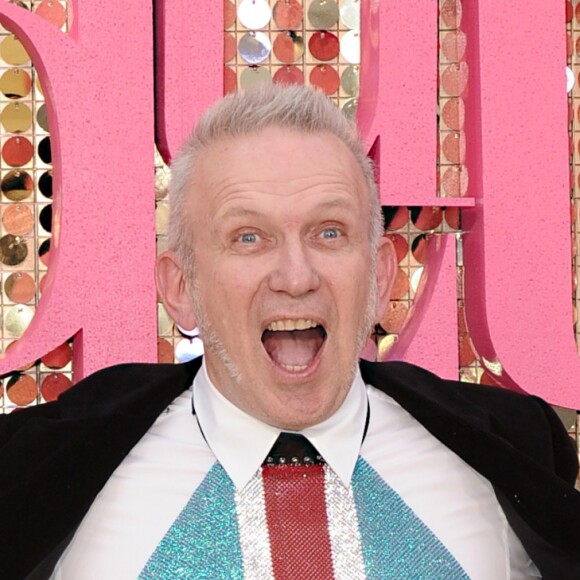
(146, 493)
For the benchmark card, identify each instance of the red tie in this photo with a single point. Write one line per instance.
(293, 477)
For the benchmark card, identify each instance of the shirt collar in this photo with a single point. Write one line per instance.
(241, 442)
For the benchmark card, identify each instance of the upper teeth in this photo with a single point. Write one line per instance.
(300, 324)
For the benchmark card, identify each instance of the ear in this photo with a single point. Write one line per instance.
(386, 274)
(173, 289)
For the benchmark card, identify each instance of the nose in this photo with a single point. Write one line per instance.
(295, 274)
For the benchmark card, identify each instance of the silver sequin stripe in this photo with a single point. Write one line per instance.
(345, 539)
(254, 539)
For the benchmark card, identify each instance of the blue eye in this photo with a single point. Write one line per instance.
(248, 238)
(330, 233)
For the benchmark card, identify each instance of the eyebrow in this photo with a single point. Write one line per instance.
(234, 212)
(337, 202)
(238, 211)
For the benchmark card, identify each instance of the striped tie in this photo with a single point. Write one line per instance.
(293, 478)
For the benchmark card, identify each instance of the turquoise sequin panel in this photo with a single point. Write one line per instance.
(395, 542)
(203, 542)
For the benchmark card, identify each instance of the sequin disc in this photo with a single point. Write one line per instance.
(451, 13)
(16, 118)
(255, 75)
(349, 81)
(229, 13)
(20, 287)
(454, 45)
(349, 108)
(288, 14)
(229, 47)
(254, 47)
(400, 244)
(164, 322)
(323, 45)
(52, 11)
(17, 185)
(453, 218)
(230, 80)
(395, 316)
(350, 46)
(12, 51)
(254, 14)
(44, 255)
(426, 218)
(419, 248)
(323, 14)
(454, 78)
(396, 217)
(53, 385)
(164, 351)
(455, 180)
(17, 151)
(21, 389)
(188, 349)
(45, 217)
(18, 219)
(15, 83)
(454, 113)
(416, 278)
(350, 13)
(161, 218)
(45, 184)
(42, 117)
(453, 146)
(289, 75)
(44, 150)
(325, 78)
(400, 286)
(17, 319)
(288, 46)
(59, 357)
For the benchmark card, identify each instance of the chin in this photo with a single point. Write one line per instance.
(295, 423)
(300, 418)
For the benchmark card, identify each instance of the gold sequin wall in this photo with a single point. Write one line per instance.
(26, 212)
(314, 42)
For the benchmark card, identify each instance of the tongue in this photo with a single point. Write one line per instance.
(292, 347)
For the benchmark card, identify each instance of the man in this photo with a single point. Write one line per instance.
(276, 254)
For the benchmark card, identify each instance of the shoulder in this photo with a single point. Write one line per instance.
(403, 377)
(139, 387)
(132, 379)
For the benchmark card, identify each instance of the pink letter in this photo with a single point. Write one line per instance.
(99, 88)
(517, 247)
(189, 75)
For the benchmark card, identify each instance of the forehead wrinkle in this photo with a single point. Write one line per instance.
(234, 210)
(259, 183)
(338, 201)
(248, 191)
(223, 188)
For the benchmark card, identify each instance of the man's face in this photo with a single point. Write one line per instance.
(283, 272)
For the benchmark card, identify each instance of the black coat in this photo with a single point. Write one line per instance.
(55, 458)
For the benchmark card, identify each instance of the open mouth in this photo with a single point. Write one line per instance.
(294, 344)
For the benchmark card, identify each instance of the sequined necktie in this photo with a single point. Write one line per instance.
(293, 478)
